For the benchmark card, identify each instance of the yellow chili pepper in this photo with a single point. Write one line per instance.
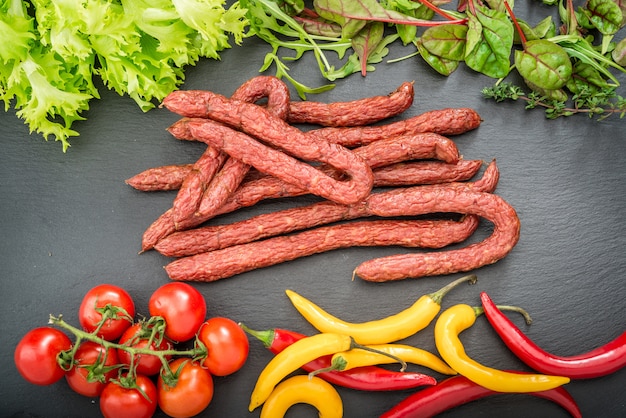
(358, 357)
(382, 331)
(460, 317)
(313, 391)
(292, 358)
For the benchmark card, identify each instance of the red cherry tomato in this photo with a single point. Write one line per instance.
(190, 394)
(117, 306)
(182, 307)
(117, 401)
(36, 355)
(92, 359)
(227, 345)
(137, 336)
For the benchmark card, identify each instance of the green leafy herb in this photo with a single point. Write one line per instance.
(52, 49)
(558, 60)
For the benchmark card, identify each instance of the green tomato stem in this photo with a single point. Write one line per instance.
(198, 351)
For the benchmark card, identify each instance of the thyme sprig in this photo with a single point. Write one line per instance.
(599, 104)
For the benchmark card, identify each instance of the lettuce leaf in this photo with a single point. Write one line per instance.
(53, 49)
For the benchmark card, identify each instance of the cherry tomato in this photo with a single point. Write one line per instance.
(190, 394)
(182, 307)
(116, 305)
(137, 336)
(227, 345)
(36, 355)
(88, 376)
(117, 401)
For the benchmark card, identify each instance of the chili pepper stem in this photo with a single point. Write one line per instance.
(439, 294)
(479, 310)
(339, 365)
(265, 336)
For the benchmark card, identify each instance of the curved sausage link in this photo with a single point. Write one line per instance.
(353, 113)
(444, 199)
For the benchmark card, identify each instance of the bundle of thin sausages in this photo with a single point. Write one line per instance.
(388, 173)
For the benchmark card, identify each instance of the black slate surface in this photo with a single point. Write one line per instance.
(68, 222)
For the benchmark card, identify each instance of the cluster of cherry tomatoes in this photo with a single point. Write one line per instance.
(166, 360)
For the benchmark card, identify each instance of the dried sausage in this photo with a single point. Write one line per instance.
(442, 198)
(170, 177)
(189, 195)
(224, 262)
(267, 187)
(272, 88)
(227, 262)
(279, 164)
(214, 237)
(449, 121)
(260, 124)
(209, 238)
(353, 113)
(417, 146)
(163, 178)
(425, 172)
(204, 191)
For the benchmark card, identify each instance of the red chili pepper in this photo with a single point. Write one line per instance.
(595, 363)
(370, 378)
(459, 390)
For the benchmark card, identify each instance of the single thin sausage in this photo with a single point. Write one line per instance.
(266, 87)
(449, 121)
(227, 262)
(170, 177)
(425, 172)
(440, 198)
(279, 164)
(426, 145)
(162, 178)
(353, 113)
(261, 124)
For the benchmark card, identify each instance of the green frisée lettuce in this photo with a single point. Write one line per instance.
(52, 50)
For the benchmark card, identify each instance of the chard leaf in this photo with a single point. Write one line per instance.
(489, 42)
(352, 15)
(319, 27)
(543, 29)
(445, 41)
(604, 15)
(411, 8)
(442, 65)
(544, 64)
(367, 40)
